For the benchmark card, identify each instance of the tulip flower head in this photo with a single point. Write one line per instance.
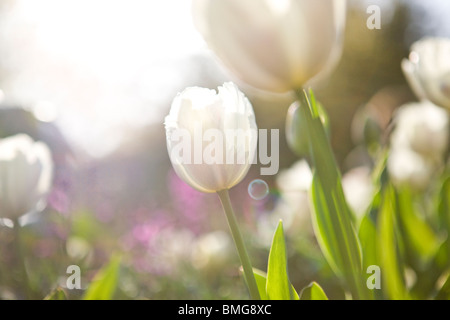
(428, 70)
(26, 171)
(418, 144)
(274, 45)
(211, 137)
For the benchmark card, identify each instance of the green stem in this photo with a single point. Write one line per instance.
(24, 281)
(239, 242)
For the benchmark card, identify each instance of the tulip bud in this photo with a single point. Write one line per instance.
(275, 45)
(296, 131)
(211, 137)
(428, 70)
(26, 170)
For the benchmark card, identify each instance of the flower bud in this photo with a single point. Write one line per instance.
(211, 137)
(296, 131)
(26, 171)
(275, 45)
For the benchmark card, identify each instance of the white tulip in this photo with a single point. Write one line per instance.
(423, 128)
(428, 70)
(211, 137)
(26, 172)
(275, 45)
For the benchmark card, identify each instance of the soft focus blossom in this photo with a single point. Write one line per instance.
(407, 167)
(297, 178)
(358, 189)
(203, 129)
(171, 245)
(418, 143)
(26, 171)
(212, 251)
(423, 128)
(428, 70)
(275, 45)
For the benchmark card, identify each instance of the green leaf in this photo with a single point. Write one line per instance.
(332, 218)
(419, 236)
(57, 294)
(105, 281)
(294, 294)
(368, 238)
(444, 214)
(444, 205)
(278, 285)
(313, 292)
(261, 280)
(394, 283)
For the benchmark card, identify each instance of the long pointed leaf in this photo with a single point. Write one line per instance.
(421, 240)
(278, 284)
(388, 252)
(261, 280)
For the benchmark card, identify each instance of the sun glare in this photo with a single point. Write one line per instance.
(103, 66)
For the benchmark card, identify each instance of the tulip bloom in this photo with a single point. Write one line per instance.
(211, 137)
(26, 170)
(428, 70)
(275, 45)
(225, 120)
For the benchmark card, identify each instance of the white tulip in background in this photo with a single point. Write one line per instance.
(428, 70)
(26, 172)
(199, 111)
(275, 45)
(418, 143)
(423, 128)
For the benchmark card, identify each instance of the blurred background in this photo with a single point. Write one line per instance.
(95, 79)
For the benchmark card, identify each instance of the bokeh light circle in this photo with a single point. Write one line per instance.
(258, 189)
